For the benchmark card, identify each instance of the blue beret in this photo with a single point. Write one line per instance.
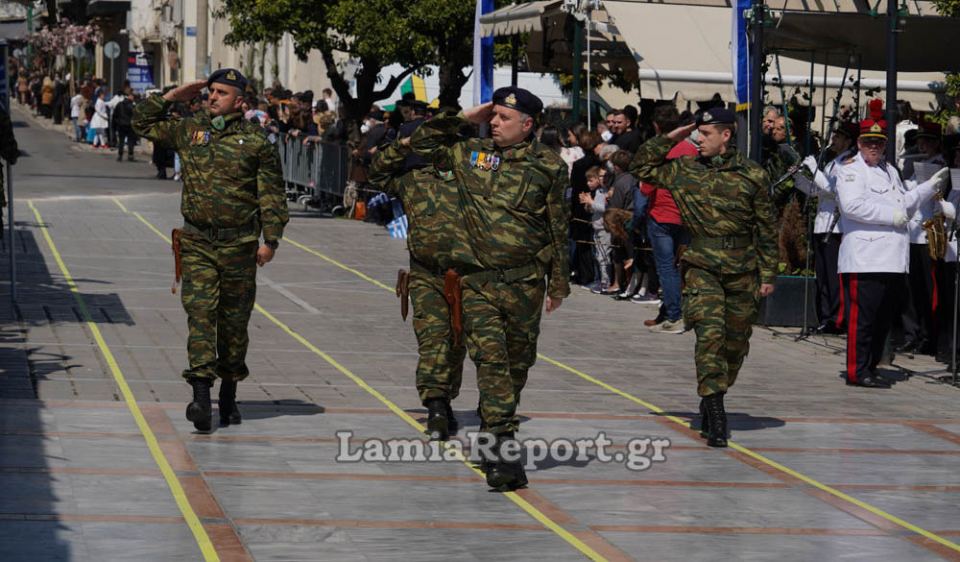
(228, 76)
(519, 99)
(717, 116)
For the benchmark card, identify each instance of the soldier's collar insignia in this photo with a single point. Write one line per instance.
(510, 100)
(219, 122)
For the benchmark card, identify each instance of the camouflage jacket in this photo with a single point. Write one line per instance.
(511, 199)
(722, 202)
(431, 200)
(777, 161)
(231, 174)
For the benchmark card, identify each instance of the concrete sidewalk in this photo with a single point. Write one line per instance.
(820, 470)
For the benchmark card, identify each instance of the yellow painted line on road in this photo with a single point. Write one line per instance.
(680, 421)
(179, 496)
(526, 506)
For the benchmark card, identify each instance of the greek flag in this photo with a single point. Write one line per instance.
(482, 57)
(740, 51)
(398, 227)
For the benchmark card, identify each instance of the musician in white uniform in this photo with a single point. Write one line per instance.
(826, 227)
(918, 314)
(874, 209)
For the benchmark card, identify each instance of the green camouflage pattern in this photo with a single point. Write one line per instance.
(440, 363)
(430, 199)
(512, 208)
(502, 324)
(721, 309)
(725, 197)
(777, 164)
(231, 174)
(218, 292)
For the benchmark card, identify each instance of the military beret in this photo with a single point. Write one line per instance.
(519, 99)
(717, 116)
(228, 76)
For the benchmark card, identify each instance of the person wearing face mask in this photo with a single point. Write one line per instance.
(874, 252)
(732, 259)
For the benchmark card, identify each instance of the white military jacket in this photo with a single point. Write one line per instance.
(870, 199)
(824, 188)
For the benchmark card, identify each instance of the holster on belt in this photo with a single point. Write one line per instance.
(177, 263)
(681, 249)
(453, 292)
(403, 292)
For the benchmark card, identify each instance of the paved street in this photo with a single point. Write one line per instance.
(97, 462)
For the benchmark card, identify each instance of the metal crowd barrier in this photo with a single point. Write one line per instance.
(315, 173)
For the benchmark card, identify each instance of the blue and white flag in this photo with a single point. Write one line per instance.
(740, 51)
(482, 57)
(398, 227)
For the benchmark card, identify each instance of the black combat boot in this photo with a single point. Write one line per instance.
(438, 424)
(704, 419)
(229, 412)
(485, 463)
(452, 424)
(717, 435)
(504, 475)
(199, 410)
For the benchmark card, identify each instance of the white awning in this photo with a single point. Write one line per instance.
(515, 18)
(685, 50)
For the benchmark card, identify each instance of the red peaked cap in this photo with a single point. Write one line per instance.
(874, 126)
(930, 130)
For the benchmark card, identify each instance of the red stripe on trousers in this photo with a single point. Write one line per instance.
(852, 331)
(840, 315)
(934, 302)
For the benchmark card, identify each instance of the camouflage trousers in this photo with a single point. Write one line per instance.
(721, 309)
(440, 366)
(218, 292)
(502, 324)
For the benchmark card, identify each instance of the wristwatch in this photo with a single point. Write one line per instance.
(272, 244)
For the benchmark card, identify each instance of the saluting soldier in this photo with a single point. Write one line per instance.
(436, 243)
(232, 195)
(511, 206)
(724, 201)
(874, 252)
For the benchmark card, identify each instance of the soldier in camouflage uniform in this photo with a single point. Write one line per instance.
(436, 243)
(510, 191)
(732, 259)
(232, 193)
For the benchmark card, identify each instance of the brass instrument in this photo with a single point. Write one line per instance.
(936, 231)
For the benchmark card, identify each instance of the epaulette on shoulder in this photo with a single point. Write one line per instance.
(848, 160)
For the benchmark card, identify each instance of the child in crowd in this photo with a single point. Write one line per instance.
(595, 201)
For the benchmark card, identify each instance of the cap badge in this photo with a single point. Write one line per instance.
(510, 100)
(231, 75)
(707, 117)
(876, 128)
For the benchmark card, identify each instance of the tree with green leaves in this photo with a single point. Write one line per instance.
(373, 33)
